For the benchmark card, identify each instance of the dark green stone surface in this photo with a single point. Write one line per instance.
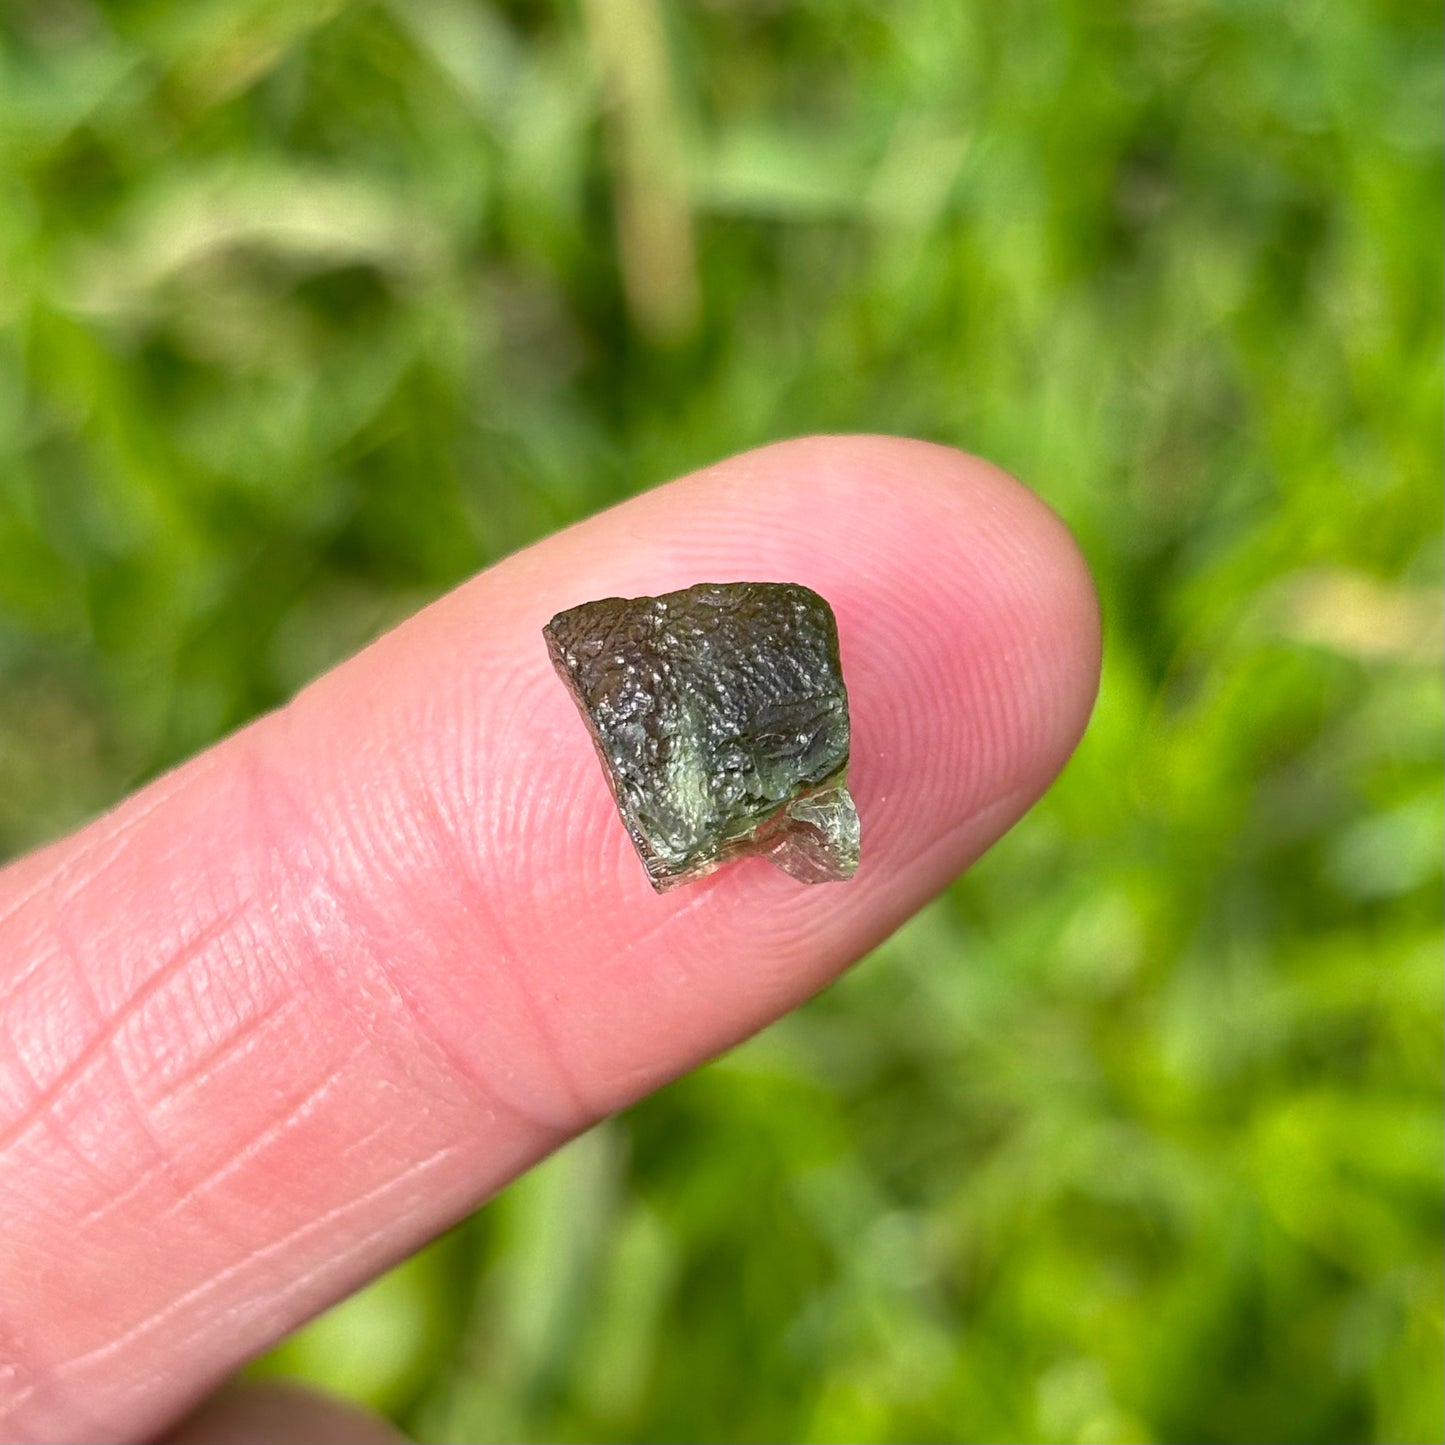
(721, 719)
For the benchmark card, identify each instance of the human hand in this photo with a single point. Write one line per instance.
(309, 999)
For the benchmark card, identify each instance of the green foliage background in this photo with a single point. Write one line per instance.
(309, 309)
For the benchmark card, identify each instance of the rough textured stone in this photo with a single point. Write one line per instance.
(721, 719)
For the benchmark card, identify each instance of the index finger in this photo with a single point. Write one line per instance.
(309, 999)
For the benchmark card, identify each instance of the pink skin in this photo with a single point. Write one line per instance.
(279, 1414)
(304, 1002)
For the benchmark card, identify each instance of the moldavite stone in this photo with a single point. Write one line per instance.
(721, 719)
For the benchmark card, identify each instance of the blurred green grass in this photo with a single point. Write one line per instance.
(309, 309)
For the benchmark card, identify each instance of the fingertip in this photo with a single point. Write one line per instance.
(276, 1412)
(968, 624)
(966, 598)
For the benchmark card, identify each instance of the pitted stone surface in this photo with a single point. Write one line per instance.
(721, 719)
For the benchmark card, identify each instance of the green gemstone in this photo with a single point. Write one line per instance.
(721, 719)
